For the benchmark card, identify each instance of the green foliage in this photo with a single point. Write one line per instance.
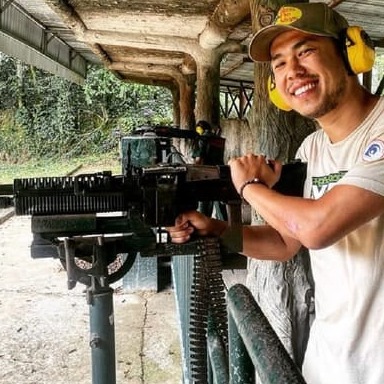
(42, 115)
(58, 167)
(12, 139)
(9, 85)
(129, 104)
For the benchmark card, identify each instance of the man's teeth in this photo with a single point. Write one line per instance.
(306, 88)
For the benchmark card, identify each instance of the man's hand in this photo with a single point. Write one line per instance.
(195, 222)
(251, 166)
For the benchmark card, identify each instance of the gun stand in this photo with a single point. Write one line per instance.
(100, 301)
(102, 334)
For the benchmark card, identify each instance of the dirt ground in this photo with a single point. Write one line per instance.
(44, 328)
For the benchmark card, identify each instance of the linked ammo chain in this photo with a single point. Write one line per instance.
(208, 305)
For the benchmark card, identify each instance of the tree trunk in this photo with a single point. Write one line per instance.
(282, 289)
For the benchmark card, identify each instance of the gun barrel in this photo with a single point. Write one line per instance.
(96, 193)
(6, 190)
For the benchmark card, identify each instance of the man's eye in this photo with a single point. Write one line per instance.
(278, 65)
(306, 51)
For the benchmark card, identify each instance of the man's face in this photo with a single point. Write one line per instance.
(309, 72)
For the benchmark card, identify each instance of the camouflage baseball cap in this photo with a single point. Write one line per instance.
(313, 18)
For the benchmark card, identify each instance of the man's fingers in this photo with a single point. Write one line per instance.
(181, 235)
(179, 220)
(180, 240)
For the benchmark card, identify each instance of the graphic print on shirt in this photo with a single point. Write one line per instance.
(322, 184)
(374, 151)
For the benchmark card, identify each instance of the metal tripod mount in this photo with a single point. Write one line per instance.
(93, 270)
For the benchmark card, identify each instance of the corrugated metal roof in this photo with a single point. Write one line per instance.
(131, 36)
(25, 37)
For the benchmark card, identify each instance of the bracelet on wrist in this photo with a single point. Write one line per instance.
(248, 182)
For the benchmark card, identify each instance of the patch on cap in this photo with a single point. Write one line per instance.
(288, 15)
(374, 150)
(311, 18)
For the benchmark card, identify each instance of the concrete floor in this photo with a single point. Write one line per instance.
(44, 333)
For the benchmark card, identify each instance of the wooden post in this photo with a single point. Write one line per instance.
(208, 87)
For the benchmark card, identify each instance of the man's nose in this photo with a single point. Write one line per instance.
(294, 68)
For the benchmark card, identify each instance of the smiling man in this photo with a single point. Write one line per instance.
(315, 57)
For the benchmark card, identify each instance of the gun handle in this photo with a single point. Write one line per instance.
(234, 212)
(233, 236)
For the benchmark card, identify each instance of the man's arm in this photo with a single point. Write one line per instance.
(260, 242)
(316, 223)
(264, 243)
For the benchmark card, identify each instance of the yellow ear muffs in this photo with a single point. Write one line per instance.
(360, 50)
(275, 96)
(199, 130)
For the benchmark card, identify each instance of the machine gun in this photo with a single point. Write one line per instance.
(152, 190)
(138, 205)
(97, 223)
(154, 187)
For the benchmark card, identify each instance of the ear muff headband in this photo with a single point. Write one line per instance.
(360, 50)
(275, 96)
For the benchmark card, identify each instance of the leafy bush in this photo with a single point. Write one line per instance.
(13, 139)
(42, 115)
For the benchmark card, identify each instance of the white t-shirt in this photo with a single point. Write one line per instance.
(346, 343)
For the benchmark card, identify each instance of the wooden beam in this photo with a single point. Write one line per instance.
(227, 15)
(150, 69)
(153, 59)
(238, 64)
